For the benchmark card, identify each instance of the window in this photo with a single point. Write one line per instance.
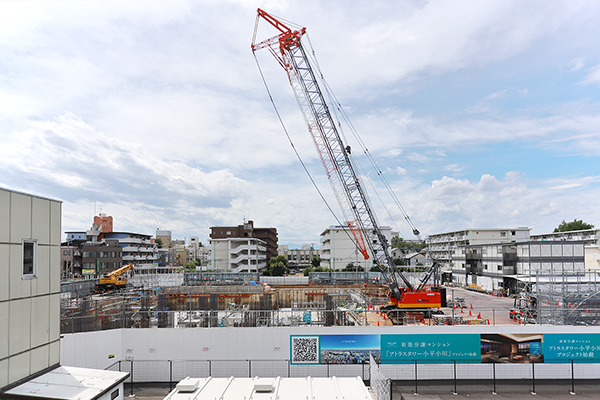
(114, 394)
(499, 267)
(502, 234)
(29, 258)
(484, 266)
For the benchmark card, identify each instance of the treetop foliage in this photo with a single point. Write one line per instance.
(575, 225)
(410, 247)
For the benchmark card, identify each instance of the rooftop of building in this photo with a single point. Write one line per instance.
(69, 383)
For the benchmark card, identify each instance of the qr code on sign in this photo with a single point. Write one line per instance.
(305, 349)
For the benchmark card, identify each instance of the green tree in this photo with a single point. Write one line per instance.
(315, 261)
(398, 261)
(575, 225)
(159, 243)
(407, 247)
(277, 266)
(308, 270)
(377, 268)
(191, 266)
(352, 268)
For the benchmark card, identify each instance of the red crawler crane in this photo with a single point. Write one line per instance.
(288, 50)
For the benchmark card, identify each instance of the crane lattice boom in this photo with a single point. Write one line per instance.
(335, 156)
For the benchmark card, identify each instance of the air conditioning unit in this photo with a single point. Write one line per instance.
(188, 385)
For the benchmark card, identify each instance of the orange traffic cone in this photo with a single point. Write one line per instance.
(461, 310)
(377, 323)
(469, 313)
(479, 316)
(471, 306)
(468, 322)
(488, 321)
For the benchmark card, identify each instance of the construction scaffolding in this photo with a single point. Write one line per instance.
(564, 299)
(216, 306)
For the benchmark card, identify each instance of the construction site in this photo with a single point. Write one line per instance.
(247, 303)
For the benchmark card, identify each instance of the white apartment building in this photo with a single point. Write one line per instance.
(443, 245)
(590, 237)
(137, 248)
(338, 248)
(493, 266)
(238, 254)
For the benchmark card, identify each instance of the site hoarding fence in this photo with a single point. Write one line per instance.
(388, 381)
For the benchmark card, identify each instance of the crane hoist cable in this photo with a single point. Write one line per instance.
(298, 154)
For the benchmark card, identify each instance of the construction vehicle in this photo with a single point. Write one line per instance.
(113, 280)
(288, 50)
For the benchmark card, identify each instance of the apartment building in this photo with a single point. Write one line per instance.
(242, 248)
(590, 237)
(136, 248)
(498, 265)
(92, 253)
(299, 258)
(443, 245)
(338, 248)
(238, 254)
(165, 237)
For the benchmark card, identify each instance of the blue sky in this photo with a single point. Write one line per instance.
(481, 114)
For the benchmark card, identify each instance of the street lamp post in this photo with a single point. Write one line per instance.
(453, 306)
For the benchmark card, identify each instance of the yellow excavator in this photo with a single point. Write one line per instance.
(113, 280)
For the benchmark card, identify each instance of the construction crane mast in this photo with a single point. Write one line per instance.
(335, 155)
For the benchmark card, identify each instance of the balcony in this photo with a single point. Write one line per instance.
(240, 248)
(130, 240)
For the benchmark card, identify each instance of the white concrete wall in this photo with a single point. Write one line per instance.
(343, 251)
(30, 306)
(92, 349)
(155, 280)
(592, 258)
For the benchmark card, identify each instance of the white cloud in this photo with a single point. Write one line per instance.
(575, 65)
(450, 204)
(593, 77)
(157, 110)
(417, 157)
(497, 95)
(453, 168)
